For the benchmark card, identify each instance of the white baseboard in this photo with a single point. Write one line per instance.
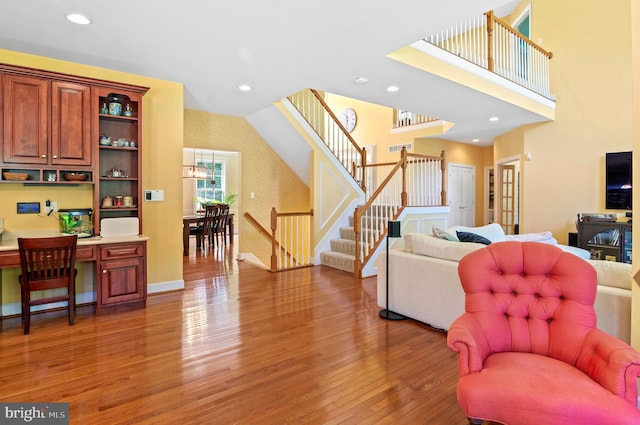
(156, 288)
(90, 297)
(250, 258)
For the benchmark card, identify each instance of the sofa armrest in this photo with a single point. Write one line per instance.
(468, 339)
(612, 363)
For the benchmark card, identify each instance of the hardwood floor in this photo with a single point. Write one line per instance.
(239, 345)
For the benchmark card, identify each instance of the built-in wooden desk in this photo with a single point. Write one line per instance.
(120, 272)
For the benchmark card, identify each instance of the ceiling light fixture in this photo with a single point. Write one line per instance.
(361, 80)
(244, 87)
(79, 19)
(494, 119)
(393, 89)
(475, 140)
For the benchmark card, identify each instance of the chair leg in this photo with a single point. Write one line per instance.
(26, 309)
(72, 306)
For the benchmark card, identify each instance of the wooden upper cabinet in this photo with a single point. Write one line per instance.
(25, 102)
(70, 124)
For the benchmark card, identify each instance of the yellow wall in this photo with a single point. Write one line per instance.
(591, 77)
(162, 156)
(262, 172)
(635, 110)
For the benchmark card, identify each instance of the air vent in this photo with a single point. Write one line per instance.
(398, 148)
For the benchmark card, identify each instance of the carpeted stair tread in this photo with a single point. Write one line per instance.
(345, 246)
(338, 260)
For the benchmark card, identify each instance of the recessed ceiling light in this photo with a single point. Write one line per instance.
(361, 80)
(475, 140)
(76, 18)
(244, 87)
(393, 89)
(494, 119)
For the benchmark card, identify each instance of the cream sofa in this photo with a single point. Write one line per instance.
(424, 284)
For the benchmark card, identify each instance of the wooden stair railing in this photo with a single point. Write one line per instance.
(328, 127)
(290, 239)
(419, 184)
(414, 181)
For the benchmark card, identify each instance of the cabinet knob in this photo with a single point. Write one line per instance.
(104, 272)
(55, 156)
(43, 156)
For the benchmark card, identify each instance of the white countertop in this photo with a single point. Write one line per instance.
(9, 240)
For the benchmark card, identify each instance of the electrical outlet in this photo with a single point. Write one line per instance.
(50, 206)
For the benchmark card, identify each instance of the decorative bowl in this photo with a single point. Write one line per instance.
(80, 177)
(8, 175)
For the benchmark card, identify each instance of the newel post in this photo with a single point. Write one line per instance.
(490, 40)
(443, 170)
(274, 227)
(363, 170)
(403, 158)
(357, 263)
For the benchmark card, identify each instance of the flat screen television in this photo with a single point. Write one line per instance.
(619, 178)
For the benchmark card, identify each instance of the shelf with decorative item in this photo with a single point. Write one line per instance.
(45, 176)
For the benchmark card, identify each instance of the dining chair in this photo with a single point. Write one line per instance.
(220, 225)
(47, 263)
(204, 232)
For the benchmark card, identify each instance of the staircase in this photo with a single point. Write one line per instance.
(343, 250)
(415, 180)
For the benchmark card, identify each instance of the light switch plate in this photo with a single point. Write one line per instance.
(154, 195)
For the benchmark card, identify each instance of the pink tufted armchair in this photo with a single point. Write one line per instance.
(528, 348)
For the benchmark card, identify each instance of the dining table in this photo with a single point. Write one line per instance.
(197, 219)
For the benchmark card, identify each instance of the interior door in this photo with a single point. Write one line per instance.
(507, 198)
(461, 195)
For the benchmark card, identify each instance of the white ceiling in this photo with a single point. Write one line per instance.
(278, 47)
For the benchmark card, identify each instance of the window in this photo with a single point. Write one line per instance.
(208, 190)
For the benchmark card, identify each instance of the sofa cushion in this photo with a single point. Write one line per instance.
(472, 237)
(493, 231)
(442, 234)
(613, 274)
(430, 246)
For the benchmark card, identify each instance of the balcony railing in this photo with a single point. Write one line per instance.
(491, 43)
(406, 118)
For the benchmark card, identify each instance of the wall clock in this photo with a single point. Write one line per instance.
(348, 119)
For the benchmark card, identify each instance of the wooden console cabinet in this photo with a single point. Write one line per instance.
(121, 276)
(606, 240)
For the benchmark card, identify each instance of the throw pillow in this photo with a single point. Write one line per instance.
(441, 234)
(492, 231)
(472, 237)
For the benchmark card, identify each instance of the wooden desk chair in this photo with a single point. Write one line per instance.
(47, 263)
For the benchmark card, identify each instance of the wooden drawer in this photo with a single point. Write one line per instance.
(9, 259)
(127, 250)
(86, 253)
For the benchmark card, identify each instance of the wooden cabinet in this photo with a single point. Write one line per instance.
(606, 240)
(121, 276)
(46, 122)
(120, 164)
(25, 102)
(50, 127)
(70, 124)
